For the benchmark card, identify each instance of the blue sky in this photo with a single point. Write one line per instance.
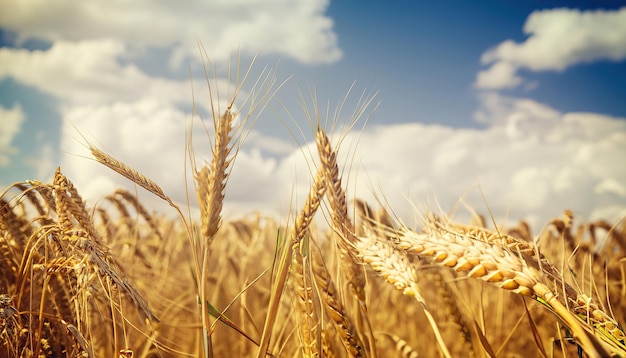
(428, 54)
(520, 100)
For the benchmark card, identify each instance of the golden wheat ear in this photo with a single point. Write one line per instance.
(211, 180)
(394, 266)
(341, 223)
(343, 229)
(231, 127)
(232, 123)
(130, 174)
(488, 260)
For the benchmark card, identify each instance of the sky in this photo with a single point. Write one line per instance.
(514, 109)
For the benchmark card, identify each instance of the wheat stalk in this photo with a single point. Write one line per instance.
(336, 311)
(300, 269)
(393, 265)
(496, 264)
(130, 174)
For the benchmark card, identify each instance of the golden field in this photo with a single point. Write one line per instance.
(120, 280)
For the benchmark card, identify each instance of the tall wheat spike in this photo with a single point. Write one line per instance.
(211, 180)
(305, 304)
(340, 222)
(344, 232)
(69, 206)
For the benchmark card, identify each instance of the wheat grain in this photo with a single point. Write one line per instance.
(402, 346)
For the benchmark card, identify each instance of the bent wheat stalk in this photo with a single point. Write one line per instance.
(393, 265)
(498, 265)
(131, 174)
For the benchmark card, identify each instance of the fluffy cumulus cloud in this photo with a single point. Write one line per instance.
(92, 67)
(11, 120)
(537, 158)
(297, 29)
(558, 39)
(87, 72)
(147, 134)
(43, 162)
(152, 136)
(532, 164)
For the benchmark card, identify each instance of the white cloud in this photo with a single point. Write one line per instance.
(554, 162)
(43, 164)
(11, 120)
(558, 39)
(297, 29)
(499, 75)
(551, 162)
(88, 72)
(515, 113)
(611, 186)
(531, 161)
(148, 135)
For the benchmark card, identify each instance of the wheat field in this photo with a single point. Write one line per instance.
(118, 279)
